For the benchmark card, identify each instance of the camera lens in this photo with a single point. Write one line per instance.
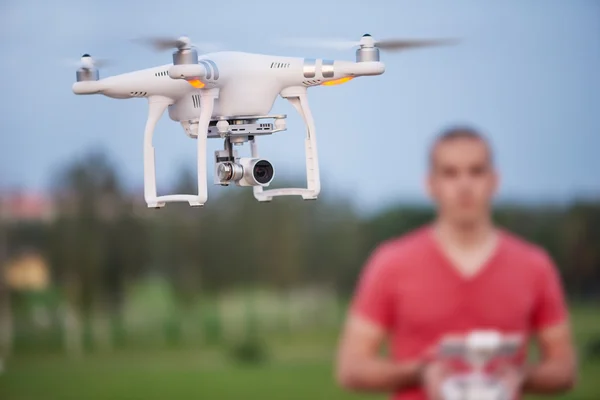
(263, 172)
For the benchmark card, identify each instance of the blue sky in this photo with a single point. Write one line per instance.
(527, 73)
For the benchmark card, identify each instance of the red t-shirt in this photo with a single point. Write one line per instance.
(410, 288)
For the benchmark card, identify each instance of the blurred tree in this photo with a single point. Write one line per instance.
(582, 242)
(95, 246)
(6, 318)
(183, 261)
(99, 248)
(333, 248)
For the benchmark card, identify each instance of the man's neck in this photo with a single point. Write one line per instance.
(465, 235)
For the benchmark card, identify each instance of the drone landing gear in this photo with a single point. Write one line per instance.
(298, 98)
(157, 106)
(243, 129)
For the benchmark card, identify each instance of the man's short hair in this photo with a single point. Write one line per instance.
(459, 132)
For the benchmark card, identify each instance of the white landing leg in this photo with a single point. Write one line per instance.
(297, 96)
(157, 108)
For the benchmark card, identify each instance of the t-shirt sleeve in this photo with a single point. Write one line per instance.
(373, 297)
(550, 306)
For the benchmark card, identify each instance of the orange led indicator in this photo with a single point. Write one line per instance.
(196, 83)
(337, 81)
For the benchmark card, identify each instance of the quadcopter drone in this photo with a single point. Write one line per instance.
(229, 95)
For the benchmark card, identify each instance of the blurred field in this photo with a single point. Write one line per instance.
(299, 367)
(104, 299)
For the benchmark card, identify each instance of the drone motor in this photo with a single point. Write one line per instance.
(367, 52)
(185, 56)
(87, 71)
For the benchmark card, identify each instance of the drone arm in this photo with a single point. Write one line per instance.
(187, 71)
(297, 96)
(368, 68)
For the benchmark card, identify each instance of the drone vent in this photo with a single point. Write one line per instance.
(196, 100)
(312, 82)
(162, 73)
(264, 127)
(280, 65)
(138, 94)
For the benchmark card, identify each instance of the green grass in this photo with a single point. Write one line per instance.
(300, 369)
(173, 375)
(178, 375)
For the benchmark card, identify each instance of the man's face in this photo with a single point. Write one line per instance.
(461, 180)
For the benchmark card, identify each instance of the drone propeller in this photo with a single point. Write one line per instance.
(87, 62)
(181, 43)
(386, 44)
(87, 68)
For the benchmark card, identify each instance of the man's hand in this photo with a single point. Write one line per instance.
(512, 379)
(361, 368)
(433, 376)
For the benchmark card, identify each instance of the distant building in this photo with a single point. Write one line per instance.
(28, 272)
(25, 206)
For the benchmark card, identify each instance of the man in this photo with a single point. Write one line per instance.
(459, 274)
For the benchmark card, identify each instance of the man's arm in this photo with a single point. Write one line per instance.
(361, 368)
(557, 370)
(371, 317)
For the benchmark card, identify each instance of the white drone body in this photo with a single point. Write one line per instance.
(477, 349)
(225, 95)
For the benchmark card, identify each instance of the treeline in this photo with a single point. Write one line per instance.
(101, 241)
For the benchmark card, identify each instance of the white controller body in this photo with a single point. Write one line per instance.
(478, 348)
